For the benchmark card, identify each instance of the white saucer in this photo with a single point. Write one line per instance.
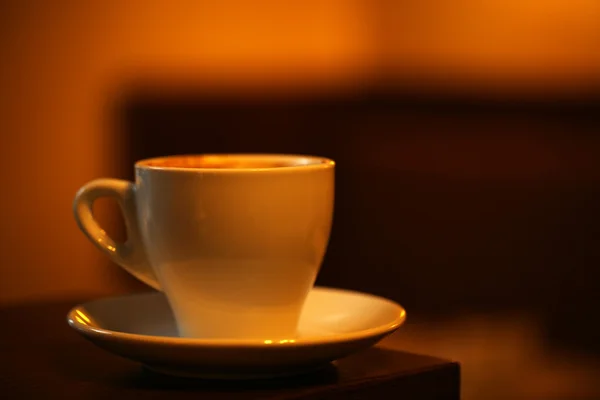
(334, 324)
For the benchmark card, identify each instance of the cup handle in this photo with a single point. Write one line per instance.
(130, 255)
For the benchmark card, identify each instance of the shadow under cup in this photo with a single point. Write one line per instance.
(234, 241)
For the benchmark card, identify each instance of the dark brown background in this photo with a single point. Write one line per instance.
(449, 204)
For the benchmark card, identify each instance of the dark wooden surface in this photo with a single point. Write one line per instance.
(43, 358)
(503, 355)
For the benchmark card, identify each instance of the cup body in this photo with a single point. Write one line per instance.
(236, 250)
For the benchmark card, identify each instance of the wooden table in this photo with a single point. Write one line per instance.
(42, 357)
(502, 356)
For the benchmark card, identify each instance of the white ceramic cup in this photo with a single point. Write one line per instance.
(234, 241)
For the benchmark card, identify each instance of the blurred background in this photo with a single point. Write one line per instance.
(466, 136)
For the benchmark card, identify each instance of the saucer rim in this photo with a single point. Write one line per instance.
(314, 340)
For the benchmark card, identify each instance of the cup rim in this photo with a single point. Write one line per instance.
(296, 162)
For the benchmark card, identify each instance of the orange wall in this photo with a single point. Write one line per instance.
(532, 45)
(63, 63)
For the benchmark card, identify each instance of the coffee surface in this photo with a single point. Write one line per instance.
(230, 162)
(216, 162)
